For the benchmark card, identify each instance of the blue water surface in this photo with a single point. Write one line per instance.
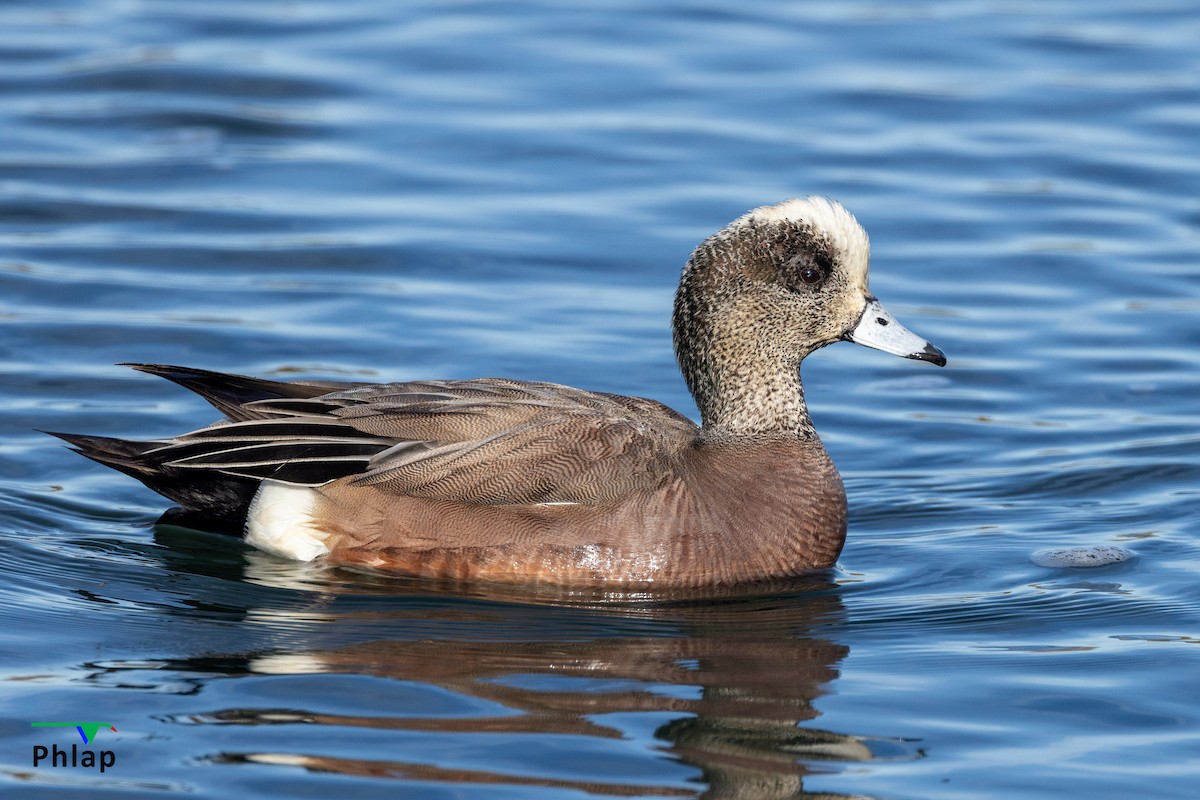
(391, 191)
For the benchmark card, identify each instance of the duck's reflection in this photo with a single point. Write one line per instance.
(729, 685)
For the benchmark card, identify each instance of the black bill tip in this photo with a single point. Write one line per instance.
(930, 354)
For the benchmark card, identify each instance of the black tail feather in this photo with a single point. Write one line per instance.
(229, 394)
(218, 499)
(215, 496)
(124, 455)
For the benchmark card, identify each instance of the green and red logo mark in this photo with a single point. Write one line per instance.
(87, 730)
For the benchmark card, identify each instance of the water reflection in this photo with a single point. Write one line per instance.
(739, 728)
(726, 687)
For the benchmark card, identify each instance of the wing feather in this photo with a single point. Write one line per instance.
(486, 441)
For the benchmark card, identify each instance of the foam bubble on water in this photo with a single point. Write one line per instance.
(1094, 556)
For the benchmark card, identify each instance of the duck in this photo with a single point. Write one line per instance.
(512, 481)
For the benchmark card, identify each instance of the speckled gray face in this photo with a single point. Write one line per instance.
(879, 329)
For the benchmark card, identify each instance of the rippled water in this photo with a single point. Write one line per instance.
(387, 191)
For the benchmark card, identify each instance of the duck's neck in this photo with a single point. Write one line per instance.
(749, 399)
(745, 385)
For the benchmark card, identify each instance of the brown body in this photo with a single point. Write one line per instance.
(728, 514)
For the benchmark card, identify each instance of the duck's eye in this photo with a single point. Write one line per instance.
(810, 275)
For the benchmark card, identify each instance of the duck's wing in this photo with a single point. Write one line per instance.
(487, 441)
(502, 442)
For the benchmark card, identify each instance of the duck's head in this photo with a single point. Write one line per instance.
(771, 287)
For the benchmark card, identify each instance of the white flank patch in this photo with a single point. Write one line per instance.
(280, 521)
(826, 216)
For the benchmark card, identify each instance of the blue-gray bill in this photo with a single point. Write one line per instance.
(879, 329)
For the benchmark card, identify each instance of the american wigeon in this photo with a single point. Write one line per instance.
(505, 480)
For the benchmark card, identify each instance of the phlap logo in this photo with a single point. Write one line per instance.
(88, 759)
